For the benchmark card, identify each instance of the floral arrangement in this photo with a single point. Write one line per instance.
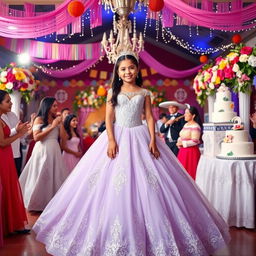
(156, 96)
(237, 123)
(13, 78)
(236, 70)
(93, 97)
(228, 138)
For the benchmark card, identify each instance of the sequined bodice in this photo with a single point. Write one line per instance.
(129, 108)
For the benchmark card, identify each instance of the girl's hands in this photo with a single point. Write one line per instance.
(154, 150)
(112, 149)
(78, 154)
(56, 121)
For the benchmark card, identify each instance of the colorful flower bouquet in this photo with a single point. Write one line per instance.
(156, 96)
(93, 97)
(236, 70)
(13, 78)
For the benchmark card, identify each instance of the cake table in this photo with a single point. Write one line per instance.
(230, 186)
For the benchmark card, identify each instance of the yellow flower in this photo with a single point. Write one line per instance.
(2, 87)
(207, 76)
(23, 89)
(232, 55)
(217, 81)
(20, 75)
(222, 64)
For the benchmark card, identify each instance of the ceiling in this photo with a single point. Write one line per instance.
(201, 37)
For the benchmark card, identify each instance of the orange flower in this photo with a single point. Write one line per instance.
(20, 75)
(2, 86)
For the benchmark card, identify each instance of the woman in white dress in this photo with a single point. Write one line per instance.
(45, 171)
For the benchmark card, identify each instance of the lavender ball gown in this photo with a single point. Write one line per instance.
(134, 205)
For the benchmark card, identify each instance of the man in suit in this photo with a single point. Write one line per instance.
(173, 126)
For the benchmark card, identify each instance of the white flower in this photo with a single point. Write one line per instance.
(3, 79)
(243, 58)
(3, 73)
(235, 68)
(211, 86)
(252, 61)
(9, 85)
(214, 76)
(214, 68)
(239, 74)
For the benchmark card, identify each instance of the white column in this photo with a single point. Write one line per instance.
(16, 99)
(244, 109)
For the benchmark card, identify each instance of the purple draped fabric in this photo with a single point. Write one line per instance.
(165, 71)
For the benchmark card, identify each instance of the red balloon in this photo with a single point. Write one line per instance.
(76, 8)
(156, 5)
(236, 39)
(203, 58)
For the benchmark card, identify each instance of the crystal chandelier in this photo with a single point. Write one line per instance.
(122, 28)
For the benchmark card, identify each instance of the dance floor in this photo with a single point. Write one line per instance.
(243, 243)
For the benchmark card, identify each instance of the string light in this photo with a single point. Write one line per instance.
(47, 70)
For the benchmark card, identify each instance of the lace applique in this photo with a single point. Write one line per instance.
(152, 179)
(142, 92)
(93, 178)
(192, 243)
(115, 247)
(119, 179)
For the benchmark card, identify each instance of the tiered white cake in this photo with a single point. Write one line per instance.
(223, 106)
(236, 144)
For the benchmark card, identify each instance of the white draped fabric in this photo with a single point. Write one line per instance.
(230, 186)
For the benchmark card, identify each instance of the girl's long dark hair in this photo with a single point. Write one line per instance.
(2, 95)
(194, 111)
(116, 83)
(44, 108)
(67, 122)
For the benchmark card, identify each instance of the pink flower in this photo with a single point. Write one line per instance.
(245, 78)
(218, 60)
(246, 50)
(13, 64)
(228, 73)
(10, 77)
(220, 74)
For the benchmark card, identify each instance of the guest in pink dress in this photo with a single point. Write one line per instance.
(189, 140)
(70, 142)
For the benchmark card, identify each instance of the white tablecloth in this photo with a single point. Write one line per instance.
(230, 186)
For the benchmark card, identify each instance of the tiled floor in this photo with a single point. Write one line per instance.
(243, 243)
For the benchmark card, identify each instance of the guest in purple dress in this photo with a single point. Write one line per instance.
(70, 143)
(129, 195)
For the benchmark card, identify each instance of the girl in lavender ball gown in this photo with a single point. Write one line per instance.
(70, 143)
(129, 195)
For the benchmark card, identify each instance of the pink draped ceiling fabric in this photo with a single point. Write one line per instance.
(233, 20)
(37, 26)
(50, 22)
(145, 56)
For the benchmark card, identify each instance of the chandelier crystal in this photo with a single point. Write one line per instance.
(114, 47)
